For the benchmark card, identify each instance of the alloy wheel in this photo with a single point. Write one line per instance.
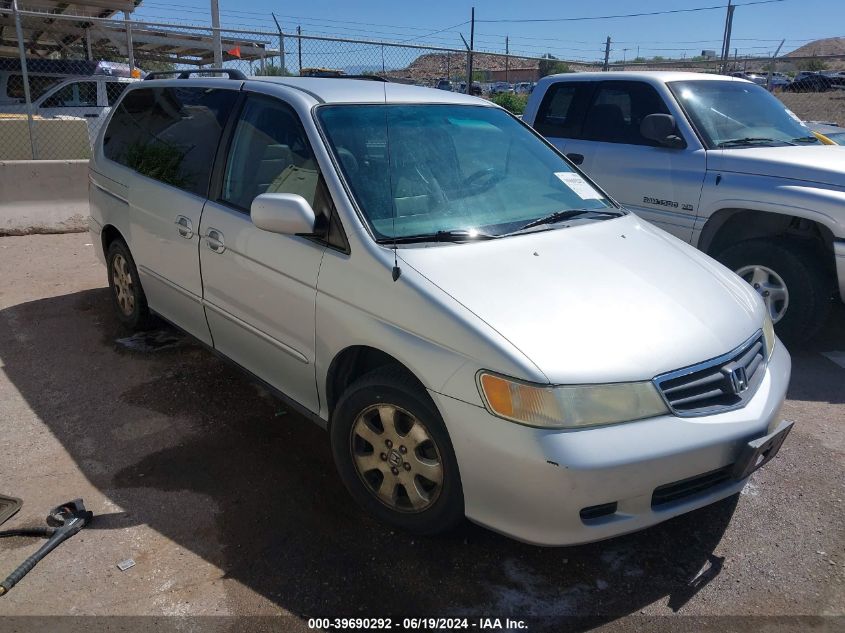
(396, 458)
(123, 285)
(770, 286)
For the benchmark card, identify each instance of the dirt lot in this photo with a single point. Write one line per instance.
(229, 504)
(821, 106)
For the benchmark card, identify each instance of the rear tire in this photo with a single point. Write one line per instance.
(769, 264)
(394, 455)
(127, 294)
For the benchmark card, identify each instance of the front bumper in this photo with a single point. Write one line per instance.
(839, 255)
(531, 484)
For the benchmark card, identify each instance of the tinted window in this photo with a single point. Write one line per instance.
(617, 110)
(80, 94)
(269, 153)
(38, 85)
(562, 110)
(169, 134)
(113, 91)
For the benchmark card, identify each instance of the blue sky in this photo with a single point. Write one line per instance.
(757, 28)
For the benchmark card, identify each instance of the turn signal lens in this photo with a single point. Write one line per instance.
(769, 335)
(570, 406)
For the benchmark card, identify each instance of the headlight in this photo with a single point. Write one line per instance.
(569, 407)
(769, 334)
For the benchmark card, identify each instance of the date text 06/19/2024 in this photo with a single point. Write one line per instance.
(415, 624)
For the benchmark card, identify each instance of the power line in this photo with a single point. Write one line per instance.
(629, 15)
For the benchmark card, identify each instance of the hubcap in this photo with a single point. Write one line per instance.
(770, 286)
(123, 286)
(396, 458)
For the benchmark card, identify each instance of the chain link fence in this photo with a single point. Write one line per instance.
(60, 74)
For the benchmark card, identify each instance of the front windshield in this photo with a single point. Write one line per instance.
(739, 114)
(449, 168)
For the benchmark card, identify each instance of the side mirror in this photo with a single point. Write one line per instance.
(661, 128)
(285, 213)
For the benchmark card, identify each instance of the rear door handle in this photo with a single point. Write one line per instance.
(576, 158)
(184, 226)
(92, 116)
(215, 242)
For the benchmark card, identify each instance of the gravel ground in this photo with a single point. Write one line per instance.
(820, 106)
(230, 506)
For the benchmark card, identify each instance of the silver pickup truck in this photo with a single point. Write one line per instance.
(720, 163)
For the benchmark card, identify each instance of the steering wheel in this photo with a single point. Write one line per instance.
(483, 178)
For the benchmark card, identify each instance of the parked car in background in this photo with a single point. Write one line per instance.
(760, 80)
(834, 134)
(524, 88)
(428, 278)
(444, 84)
(476, 89)
(777, 80)
(720, 163)
(501, 87)
(89, 97)
(809, 82)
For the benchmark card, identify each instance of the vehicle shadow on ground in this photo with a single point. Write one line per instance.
(816, 378)
(267, 507)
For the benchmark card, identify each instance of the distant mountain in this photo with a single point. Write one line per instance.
(827, 46)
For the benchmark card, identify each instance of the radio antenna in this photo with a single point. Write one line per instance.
(396, 270)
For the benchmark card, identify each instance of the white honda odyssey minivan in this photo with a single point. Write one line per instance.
(483, 332)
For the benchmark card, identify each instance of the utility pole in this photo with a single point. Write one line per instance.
(215, 30)
(507, 56)
(773, 65)
(299, 45)
(606, 66)
(281, 44)
(726, 43)
(471, 47)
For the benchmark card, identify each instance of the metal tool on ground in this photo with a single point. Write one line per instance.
(63, 522)
(8, 507)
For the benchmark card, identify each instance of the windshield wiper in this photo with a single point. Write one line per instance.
(461, 235)
(752, 140)
(806, 139)
(560, 216)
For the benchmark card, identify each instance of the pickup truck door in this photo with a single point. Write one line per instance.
(560, 117)
(74, 99)
(260, 288)
(660, 184)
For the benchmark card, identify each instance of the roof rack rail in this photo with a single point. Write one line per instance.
(185, 74)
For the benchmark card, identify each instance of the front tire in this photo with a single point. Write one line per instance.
(127, 294)
(791, 279)
(394, 455)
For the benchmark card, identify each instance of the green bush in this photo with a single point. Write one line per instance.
(512, 102)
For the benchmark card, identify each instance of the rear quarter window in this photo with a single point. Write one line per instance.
(561, 113)
(169, 134)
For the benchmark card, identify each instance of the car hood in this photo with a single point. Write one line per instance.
(814, 163)
(608, 301)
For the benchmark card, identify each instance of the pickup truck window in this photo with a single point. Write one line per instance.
(561, 113)
(617, 110)
(79, 94)
(739, 114)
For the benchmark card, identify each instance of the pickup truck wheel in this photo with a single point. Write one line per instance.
(394, 455)
(125, 286)
(791, 279)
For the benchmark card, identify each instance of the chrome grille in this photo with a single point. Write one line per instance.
(720, 384)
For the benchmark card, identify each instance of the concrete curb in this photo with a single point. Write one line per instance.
(43, 196)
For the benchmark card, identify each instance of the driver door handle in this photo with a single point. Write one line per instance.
(215, 242)
(576, 158)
